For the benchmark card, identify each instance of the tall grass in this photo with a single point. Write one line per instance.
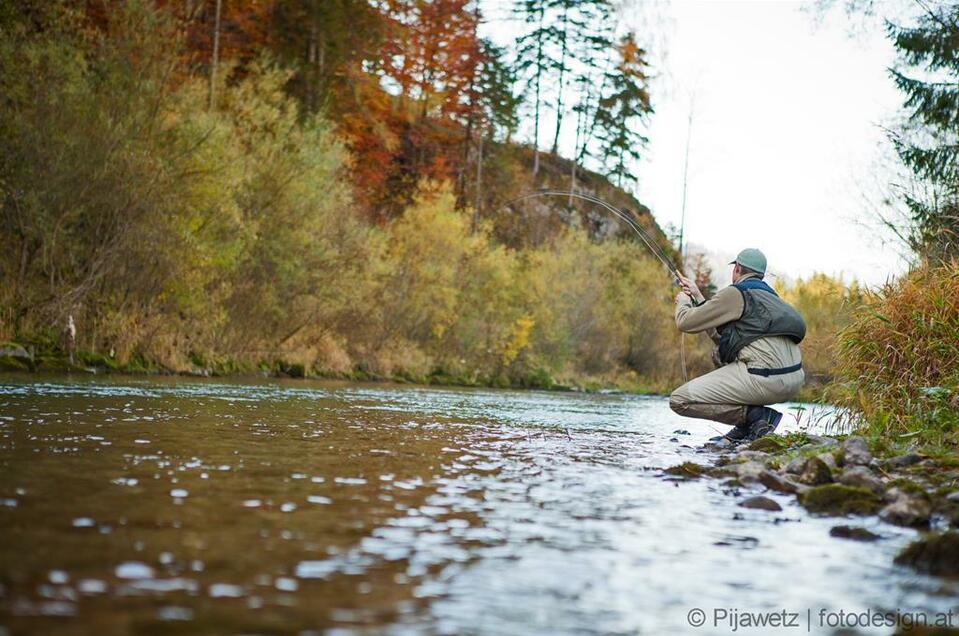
(897, 362)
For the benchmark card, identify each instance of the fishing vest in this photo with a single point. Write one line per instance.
(765, 314)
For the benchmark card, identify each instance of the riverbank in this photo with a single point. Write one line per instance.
(16, 357)
(851, 478)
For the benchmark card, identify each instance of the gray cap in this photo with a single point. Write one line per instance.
(751, 258)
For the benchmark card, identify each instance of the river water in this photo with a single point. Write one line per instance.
(132, 505)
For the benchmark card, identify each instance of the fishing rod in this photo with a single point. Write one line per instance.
(647, 240)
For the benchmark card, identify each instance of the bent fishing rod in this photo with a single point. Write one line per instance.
(647, 240)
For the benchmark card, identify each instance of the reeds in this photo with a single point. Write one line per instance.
(897, 366)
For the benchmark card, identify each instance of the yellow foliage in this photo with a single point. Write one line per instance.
(827, 305)
(519, 339)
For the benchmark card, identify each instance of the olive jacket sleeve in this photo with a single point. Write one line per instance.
(725, 306)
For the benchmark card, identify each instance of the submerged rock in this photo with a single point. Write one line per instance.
(761, 503)
(815, 472)
(863, 477)
(936, 554)
(837, 499)
(856, 451)
(853, 533)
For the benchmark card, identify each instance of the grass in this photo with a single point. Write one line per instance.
(897, 368)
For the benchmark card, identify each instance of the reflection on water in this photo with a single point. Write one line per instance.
(141, 506)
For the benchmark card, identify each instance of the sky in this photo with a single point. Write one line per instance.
(786, 136)
(787, 133)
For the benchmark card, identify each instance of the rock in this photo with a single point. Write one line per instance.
(722, 444)
(829, 459)
(761, 503)
(904, 460)
(768, 444)
(13, 357)
(893, 494)
(863, 477)
(936, 554)
(907, 511)
(821, 440)
(751, 456)
(837, 499)
(853, 533)
(14, 351)
(686, 470)
(795, 465)
(747, 471)
(856, 451)
(680, 431)
(815, 472)
(780, 483)
(953, 497)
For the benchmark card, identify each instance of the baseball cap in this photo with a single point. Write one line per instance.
(751, 258)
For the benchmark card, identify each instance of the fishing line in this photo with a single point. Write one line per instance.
(647, 240)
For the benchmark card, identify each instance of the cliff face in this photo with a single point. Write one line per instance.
(533, 221)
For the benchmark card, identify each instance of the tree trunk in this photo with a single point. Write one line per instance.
(216, 52)
(572, 169)
(479, 186)
(539, 74)
(559, 85)
(312, 60)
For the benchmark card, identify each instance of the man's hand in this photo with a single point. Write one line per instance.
(691, 289)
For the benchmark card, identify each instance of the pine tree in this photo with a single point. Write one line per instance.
(622, 110)
(585, 34)
(565, 39)
(929, 143)
(532, 59)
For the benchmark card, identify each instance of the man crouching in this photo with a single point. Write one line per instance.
(757, 336)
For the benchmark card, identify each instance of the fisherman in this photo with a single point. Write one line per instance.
(757, 336)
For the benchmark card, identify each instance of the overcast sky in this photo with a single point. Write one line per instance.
(786, 134)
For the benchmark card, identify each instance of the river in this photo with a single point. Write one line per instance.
(174, 505)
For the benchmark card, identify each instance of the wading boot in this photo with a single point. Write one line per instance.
(762, 421)
(736, 435)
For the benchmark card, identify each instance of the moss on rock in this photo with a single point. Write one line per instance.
(687, 470)
(768, 444)
(936, 554)
(12, 363)
(837, 499)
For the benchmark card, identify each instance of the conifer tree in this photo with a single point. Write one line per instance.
(622, 110)
(929, 143)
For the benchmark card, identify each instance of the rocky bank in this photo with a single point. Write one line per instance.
(846, 479)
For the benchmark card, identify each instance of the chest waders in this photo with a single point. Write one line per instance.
(764, 315)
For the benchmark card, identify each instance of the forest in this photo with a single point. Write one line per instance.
(323, 187)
